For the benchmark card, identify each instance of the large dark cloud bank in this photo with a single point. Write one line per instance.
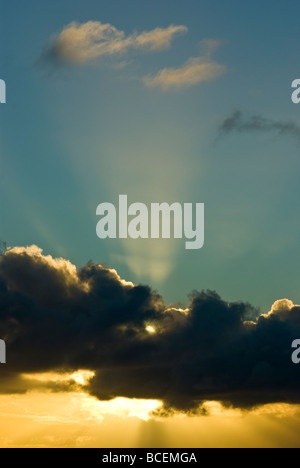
(55, 317)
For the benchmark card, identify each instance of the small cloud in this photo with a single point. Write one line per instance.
(158, 39)
(239, 123)
(208, 46)
(193, 72)
(78, 44)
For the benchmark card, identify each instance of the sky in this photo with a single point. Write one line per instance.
(164, 101)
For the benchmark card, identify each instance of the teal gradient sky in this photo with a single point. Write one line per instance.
(76, 136)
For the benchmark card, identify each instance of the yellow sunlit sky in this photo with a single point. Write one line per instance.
(75, 419)
(78, 420)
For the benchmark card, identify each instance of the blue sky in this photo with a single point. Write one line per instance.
(77, 135)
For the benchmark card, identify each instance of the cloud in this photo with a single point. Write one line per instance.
(80, 43)
(196, 70)
(57, 318)
(193, 72)
(237, 122)
(208, 46)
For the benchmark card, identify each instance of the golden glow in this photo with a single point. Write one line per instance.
(128, 408)
(75, 419)
(81, 377)
(151, 330)
(175, 309)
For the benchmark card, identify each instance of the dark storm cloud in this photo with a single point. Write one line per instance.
(57, 318)
(237, 122)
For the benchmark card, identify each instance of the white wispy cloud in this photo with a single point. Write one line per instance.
(194, 71)
(79, 43)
